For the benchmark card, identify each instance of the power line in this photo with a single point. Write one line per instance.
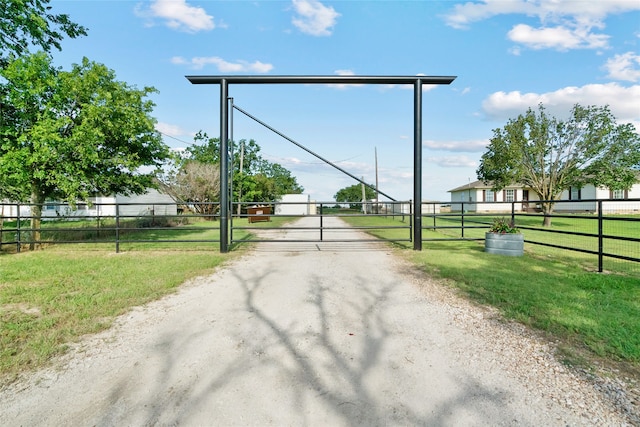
(173, 137)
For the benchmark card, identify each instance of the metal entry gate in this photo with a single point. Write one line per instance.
(323, 223)
(225, 81)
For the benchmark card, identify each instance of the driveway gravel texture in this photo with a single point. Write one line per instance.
(311, 334)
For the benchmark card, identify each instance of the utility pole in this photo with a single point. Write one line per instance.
(240, 177)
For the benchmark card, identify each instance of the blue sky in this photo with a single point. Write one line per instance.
(507, 55)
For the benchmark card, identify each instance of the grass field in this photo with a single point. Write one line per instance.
(531, 226)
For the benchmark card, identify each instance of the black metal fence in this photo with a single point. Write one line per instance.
(605, 229)
(108, 224)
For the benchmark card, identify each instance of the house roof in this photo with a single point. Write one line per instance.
(488, 186)
(480, 185)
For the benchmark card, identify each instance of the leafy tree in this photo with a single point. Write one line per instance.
(30, 22)
(74, 134)
(353, 195)
(550, 155)
(273, 180)
(255, 179)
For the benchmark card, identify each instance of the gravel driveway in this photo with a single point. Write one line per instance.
(306, 334)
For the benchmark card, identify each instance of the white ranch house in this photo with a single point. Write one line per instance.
(150, 203)
(479, 197)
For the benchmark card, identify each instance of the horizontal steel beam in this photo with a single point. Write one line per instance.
(265, 79)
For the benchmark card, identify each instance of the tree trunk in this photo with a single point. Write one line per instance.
(547, 209)
(37, 201)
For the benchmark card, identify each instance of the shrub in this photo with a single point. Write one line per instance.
(503, 226)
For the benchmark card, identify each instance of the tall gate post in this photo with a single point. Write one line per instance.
(417, 165)
(224, 167)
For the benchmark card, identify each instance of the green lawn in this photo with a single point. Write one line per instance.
(531, 227)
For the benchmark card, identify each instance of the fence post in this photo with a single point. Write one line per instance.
(434, 217)
(321, 216)
(600, 238)
(513, 212)
(18, 244)
(98, 221)
(462, 219)
(117, 228)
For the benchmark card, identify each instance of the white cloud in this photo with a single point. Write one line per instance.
(624, 67)
(561, 38)
(563, 24)
(591, 13)
(453, 161)
(223, 66)
(170, 130)
(179, 60)
(457, 146)
(314, 18)
(465, 14)
(623, 101)
(177, 15)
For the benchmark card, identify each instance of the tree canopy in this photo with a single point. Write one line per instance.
(255, 179)
(550, 155)
(353, 195)
(73, 134)
(30, 22)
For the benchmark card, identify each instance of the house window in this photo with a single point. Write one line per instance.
(575, 193)
(619, 194)
(509, 195)
(489, 196)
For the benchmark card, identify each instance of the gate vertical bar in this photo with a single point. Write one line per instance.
(417, 165)
(18, 234)
(224, 167)
(231, 169)
(117, 227)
